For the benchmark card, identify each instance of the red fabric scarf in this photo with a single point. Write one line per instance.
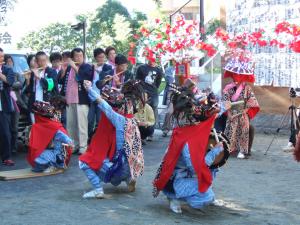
(252, 112)
(240, 77)
(197, 139)
(103, 144)
(42, 133)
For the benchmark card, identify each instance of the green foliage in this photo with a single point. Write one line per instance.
(122, 30)
(102, 23)
(111, 24)
(158, 2)
(55, 37)
(136, 21)
(212, 25)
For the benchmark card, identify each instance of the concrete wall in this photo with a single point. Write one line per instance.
(274, 103)
(274, 100)
(211, 8)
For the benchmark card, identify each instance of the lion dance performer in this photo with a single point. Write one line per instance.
(50, 147)
(184, 174)
(240, 68)
(115, 153)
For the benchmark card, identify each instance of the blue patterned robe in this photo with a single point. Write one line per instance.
(185, 182)
(54, 156)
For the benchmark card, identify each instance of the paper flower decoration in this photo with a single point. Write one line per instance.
(179, 41)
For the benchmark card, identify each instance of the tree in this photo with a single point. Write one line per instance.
(136, 21)
(158, 2)
(212, 26)
(119, 37)
(103, 20)
(55, 37)
(111, 24)
(122, 30)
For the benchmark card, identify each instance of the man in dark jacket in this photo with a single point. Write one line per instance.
(6, 80)
(42, 83)
(56, 62)
(18, 103)
(118, 76)
(99, 68)
(77, 98)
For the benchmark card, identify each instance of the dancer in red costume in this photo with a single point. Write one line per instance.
(184, 174)
(46, 151)
(115, 153)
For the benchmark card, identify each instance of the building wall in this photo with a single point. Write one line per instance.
(274, 100)
(192, 9)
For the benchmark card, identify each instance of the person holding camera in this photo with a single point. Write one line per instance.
(295, 125)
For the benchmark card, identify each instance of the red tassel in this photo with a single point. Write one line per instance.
(296, 46)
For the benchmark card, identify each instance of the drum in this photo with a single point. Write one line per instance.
(220, 159)
(237, 107)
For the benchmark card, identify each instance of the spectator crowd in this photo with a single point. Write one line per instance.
(63, 74)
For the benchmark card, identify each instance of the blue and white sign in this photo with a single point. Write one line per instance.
(279, 67)
(6, 8)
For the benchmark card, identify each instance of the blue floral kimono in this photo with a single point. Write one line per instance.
(185, 183)
(125, 173)
(54, 156)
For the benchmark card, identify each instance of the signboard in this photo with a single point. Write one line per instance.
(5, 38)
(279, 67)
(6, 8)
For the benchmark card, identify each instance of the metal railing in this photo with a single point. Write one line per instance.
(210, 74)
(178, 10)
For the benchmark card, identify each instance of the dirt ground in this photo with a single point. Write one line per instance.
(260, 190)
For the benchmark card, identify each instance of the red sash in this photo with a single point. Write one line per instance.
(42, 133)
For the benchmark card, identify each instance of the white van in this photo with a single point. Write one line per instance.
(20, 60)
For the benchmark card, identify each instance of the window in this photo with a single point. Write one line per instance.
(20, 63)
(188, 16)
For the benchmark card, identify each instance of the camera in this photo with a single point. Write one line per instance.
(293, 93)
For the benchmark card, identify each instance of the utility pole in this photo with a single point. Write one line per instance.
(201, 26)
(78, 27)
(84, 38)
